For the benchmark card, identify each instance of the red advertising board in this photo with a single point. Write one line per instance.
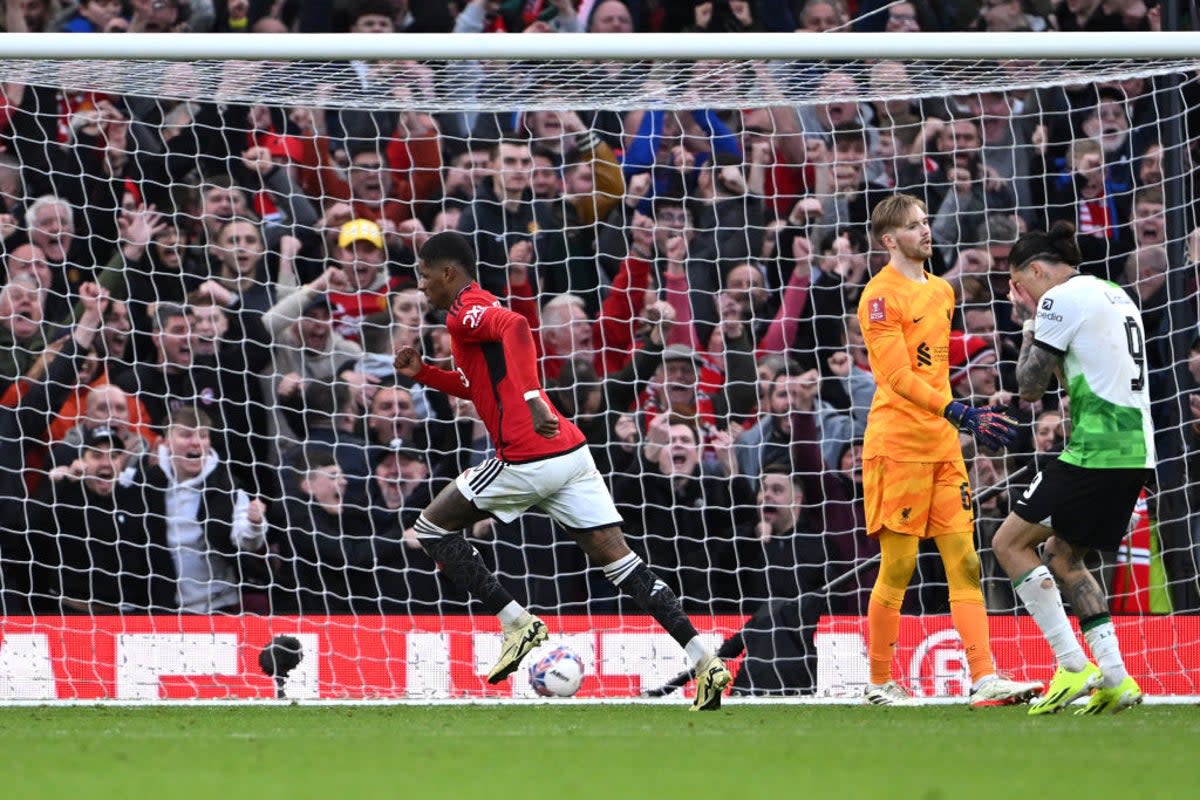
(349, 657)
(1162, 653)
(195, 657)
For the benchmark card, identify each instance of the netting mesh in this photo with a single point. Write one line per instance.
(495, 85)
(689, 247)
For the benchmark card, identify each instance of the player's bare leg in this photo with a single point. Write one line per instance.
(1015, 546)
(626, 570)
(1117, 689)
(439, 530)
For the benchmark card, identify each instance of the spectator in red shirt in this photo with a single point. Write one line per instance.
(386, 177)
(676, 391)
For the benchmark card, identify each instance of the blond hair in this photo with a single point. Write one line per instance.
(1083, 147)
(891, 213)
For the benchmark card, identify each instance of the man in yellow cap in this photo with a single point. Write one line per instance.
(363, 259)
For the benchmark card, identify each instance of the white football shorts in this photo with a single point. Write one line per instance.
(568, 487)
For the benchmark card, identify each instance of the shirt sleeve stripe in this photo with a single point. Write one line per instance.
(1049, 347)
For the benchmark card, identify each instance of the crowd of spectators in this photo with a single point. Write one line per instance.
(200, 301)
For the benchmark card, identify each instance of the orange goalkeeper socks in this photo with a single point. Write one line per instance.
(898, 557)
(883, 628)
(971, 622)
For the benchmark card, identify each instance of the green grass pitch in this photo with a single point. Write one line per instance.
(576, 752)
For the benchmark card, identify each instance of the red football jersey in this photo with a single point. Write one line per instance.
(495, 367)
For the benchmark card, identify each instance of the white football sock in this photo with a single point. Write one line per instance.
(1102, 641)
(511, 614)
(697, 651)
(1041, 597)
(622, 568)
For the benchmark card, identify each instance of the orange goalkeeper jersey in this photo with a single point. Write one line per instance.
(906, 325)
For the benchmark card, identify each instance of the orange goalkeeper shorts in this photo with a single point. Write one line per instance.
(917, 498)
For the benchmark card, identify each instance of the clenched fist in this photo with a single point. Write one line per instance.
(408, 361)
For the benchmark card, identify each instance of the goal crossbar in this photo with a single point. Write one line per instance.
(577, 46)
(491, 72)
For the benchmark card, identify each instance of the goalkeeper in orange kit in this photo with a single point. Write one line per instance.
(914, 479)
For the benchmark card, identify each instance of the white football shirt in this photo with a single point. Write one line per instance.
(1098, 330)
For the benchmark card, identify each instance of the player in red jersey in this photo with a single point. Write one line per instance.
(541, 460)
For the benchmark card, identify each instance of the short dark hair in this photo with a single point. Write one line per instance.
(545, 152)
(508, 138)
(164, 313)
(450, 247)
(322, 402)
(688, 422)
(670, 200)
(371, 8)
(1109, 94)
(356, 147)
(1056, 245)
(248, 219)
(219, 181)
(849, 134)
(795, 477)
(311, 458)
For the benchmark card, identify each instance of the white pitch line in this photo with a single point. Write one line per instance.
(49, 705)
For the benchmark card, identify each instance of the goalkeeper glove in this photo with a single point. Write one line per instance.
(991, 427)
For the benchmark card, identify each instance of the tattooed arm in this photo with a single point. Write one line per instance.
(1037, 362)
(1036, 365)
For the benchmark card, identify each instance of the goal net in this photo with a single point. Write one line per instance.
(211, 471)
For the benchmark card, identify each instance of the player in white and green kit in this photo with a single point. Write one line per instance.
(1088, 332)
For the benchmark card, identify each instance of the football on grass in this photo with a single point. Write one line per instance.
(556, 674)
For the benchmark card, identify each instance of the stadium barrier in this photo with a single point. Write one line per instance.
(213, 658)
